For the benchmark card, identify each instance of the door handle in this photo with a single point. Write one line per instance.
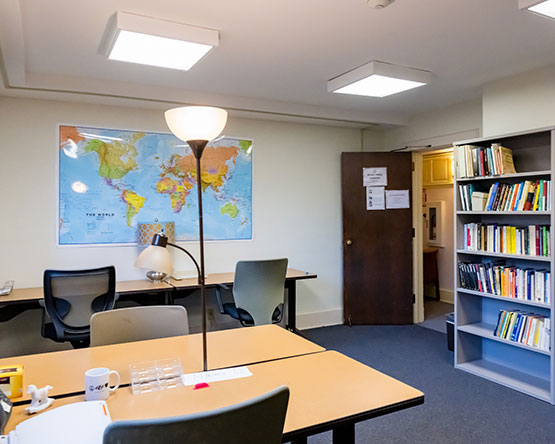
(349, 242)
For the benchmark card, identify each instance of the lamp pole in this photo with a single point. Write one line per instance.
(197, 146)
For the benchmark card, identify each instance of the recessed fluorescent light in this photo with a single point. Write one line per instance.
(378, 79)
(149, 41)
(542, 7)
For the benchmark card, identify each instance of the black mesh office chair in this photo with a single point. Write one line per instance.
(71, 298)
(258, 292)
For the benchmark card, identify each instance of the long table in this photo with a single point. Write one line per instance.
(64, 370)
(22, 299)
(328, 391)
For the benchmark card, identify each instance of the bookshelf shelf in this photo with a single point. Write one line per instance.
(505, 255)
(507, 176)
(486, 331)
(523, 382)
(504, 298)
(504, 213)
(529, 370)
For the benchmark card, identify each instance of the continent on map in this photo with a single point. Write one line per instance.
(214, 169)
(230, 209)
(134, 204)
(69, 133)
(116, 158)
(177, 191)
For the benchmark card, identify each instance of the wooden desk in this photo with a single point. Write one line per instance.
(329, 391)
(65, 370)
(10, 305)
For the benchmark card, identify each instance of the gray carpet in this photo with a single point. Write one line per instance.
(434, 312)
(458, 407)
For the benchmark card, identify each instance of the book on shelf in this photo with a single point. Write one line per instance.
(531, 240)
(509, 281)
(524, 196)
(478, 161)
(529, 329)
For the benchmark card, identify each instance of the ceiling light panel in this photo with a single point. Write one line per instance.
(149, 41)
(378, 79)
(545, 8)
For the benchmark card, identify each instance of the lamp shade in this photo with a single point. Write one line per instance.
(146, 230)
(196, 122)
(155, 258)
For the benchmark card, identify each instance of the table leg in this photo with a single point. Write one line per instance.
(291, 286)
(344, 434)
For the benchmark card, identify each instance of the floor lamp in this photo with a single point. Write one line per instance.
(196, 125)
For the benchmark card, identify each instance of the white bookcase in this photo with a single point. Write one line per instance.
(477, 351)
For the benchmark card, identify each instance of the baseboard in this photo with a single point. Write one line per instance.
(446, 296)
(319, 319)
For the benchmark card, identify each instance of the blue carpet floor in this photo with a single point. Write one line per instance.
(458, 407)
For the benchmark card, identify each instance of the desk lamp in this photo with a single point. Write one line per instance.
(196, 125)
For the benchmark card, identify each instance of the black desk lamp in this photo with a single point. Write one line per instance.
(196, 125)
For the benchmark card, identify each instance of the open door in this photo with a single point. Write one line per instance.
(377, 243)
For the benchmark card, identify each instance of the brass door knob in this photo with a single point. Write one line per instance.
(349, 242)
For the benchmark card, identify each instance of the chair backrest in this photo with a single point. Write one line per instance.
(138, 323)
(72, 296)
(259, 287)
(259, 420)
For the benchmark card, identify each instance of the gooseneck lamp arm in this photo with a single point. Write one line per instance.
(160, 240)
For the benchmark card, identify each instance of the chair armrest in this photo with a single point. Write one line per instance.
(219, 289)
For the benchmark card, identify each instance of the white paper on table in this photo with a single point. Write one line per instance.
(375, 198)
(216, 375)
(372, 177)
(395, 199)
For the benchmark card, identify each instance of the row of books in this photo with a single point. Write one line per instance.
(525, 328)
(473, 161)
(523, 196)
(532, 240)
(506, 280)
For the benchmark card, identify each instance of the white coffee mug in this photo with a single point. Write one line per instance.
(97, 383)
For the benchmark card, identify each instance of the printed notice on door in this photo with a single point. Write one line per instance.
(375, 198)
(374, 177)
(396, 199)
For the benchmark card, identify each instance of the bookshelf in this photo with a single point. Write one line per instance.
(526, 368)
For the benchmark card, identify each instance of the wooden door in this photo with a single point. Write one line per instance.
(377, 244)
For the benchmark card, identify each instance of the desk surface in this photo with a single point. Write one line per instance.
(143, 285)
(328, 389)
(64, 370)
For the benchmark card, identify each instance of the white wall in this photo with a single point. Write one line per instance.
(438, 127)
(522, 102)
(296, 202)
(447, 250)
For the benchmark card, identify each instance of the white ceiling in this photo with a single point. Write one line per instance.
(275, 57)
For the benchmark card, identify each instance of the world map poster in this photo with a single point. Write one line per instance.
(111, 180)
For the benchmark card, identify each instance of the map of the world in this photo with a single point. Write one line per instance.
(111, 180)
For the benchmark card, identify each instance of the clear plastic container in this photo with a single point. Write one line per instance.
(155, 375)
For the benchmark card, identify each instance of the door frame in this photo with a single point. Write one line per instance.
(417, 217)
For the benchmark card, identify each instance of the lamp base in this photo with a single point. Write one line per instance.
(156, 276)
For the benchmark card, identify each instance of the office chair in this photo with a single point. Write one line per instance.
(258, 292)
(71, 297)
(138, 323)
(258, 420)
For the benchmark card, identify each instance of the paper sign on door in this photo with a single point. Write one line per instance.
(375, 198)
(374, 177)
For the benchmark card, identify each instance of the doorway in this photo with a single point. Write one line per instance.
(437, 253)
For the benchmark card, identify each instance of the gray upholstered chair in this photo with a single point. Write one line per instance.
(256, 421)
(138, 323)
(258, 292)
(71, 297)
